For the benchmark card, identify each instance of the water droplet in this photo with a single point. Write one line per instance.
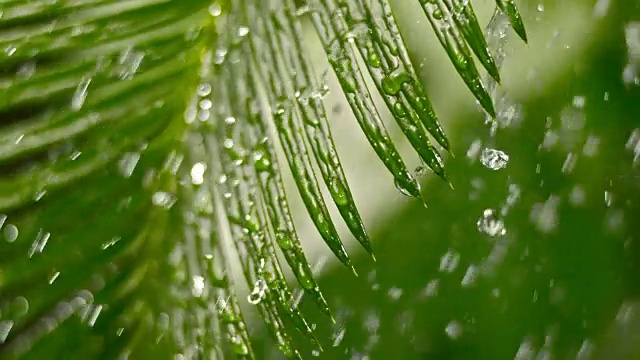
(453, 329)
(431, 289)
(490, 224)
(39, 243)
(128, 163)
(243, 31)
(394, 293)
(80, 94)
(608, 198)
(494, 159)
(339, 195)
(26, 70)
(204, 89)
(338, 336)
(215, 9)
(197, 287)
(470, 276)
(577, 196)
(283, 240)
(54, 276)
(392, 83)
(261, 160)
(449, 261)
(5, 329)
(258, 292)
(197, 173)
(163, 199)
(545, 215)
(305, 280)
(10, 231)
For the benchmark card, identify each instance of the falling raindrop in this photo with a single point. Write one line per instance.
(453, 329)
(338, 336)
(39, 243)
(545, 215)
(128, 162)
(494, 159)
(490, 224)
(80, 95)
(394, 293)
(449, 261)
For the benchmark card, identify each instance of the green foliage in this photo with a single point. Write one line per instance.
(138, 135)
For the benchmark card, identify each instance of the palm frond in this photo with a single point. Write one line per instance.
(136, 134)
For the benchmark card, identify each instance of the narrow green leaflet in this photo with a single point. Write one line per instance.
(467, 22)
(451, 39)
(344, 63)
(284, 115)
(509, 8)
(388, 64)
(259, 151)
(314, 120)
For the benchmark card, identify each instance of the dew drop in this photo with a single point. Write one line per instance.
(494, 159)
(490, 224)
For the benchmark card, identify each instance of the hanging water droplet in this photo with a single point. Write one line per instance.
(258, 292)
(163, 199)
(490, 224)
(494, 159)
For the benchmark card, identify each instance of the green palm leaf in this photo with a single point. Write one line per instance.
(138, 135)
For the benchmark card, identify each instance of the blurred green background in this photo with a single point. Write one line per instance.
(563, 281)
